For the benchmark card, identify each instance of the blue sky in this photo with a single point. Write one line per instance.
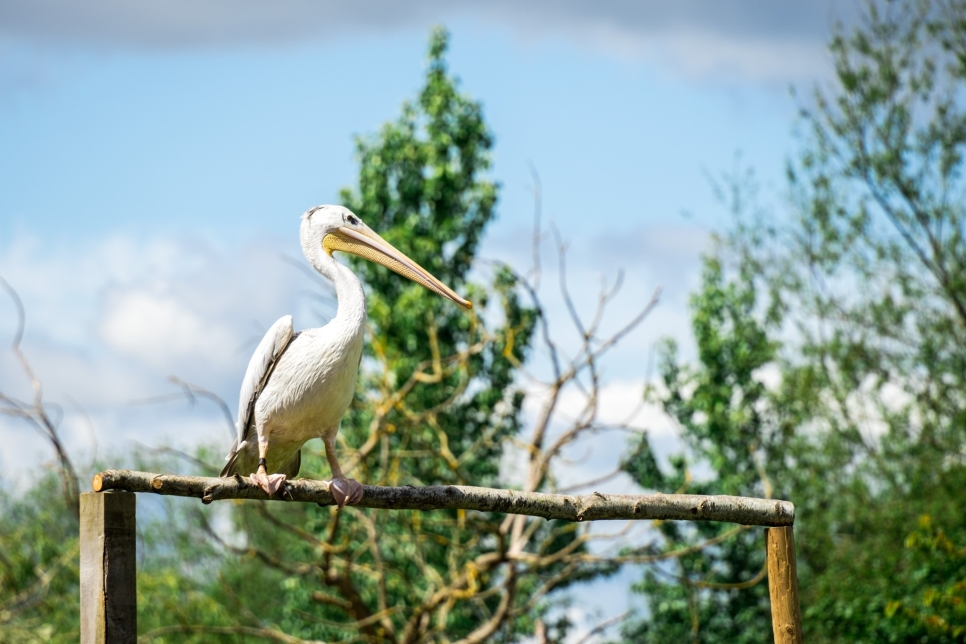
(155, 159)
(224, 143)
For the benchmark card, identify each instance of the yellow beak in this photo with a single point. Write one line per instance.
(369, 245)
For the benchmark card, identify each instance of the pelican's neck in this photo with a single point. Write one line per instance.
(348, 291)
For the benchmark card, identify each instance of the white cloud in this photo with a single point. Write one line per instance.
(703, 54)
(162, 332)
(109, 320)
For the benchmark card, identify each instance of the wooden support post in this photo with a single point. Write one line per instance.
(108, 564)
(786, 614)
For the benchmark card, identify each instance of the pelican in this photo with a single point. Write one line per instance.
(298, 385)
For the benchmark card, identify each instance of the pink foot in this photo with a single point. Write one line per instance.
(345, 491)
(271, 483)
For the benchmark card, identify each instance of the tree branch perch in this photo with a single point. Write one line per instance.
(590, 507)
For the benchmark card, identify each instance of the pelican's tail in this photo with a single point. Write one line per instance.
(230, 468)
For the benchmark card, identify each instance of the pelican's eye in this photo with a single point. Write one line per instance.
(352, 220)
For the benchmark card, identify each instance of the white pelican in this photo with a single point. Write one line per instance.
(299, 385)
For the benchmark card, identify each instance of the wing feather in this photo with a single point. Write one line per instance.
(260, 367)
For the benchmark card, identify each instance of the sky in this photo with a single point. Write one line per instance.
(155, 159)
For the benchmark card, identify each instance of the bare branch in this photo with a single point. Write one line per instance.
(37, 413)
(603, 626)
(190, 392)
(21, 315)
(164, 449)
(537, 229)
(251, 631)
(490, 626)
(592, 482)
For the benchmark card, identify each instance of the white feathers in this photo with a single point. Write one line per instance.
(299, 385)
(260, 367)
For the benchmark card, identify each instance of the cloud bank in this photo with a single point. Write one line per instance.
(110, 321)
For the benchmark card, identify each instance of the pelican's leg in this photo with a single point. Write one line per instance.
(271, 483)
(344, 491)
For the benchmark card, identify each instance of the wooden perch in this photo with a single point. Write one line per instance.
(589, 507)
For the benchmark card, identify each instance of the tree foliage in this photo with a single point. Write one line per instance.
(439, 401)
(830, 371)
(861, 289)
(713, 592)
(38, 567)
(435, 403)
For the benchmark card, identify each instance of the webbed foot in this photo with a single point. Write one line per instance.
(345, 491)
(271, 483)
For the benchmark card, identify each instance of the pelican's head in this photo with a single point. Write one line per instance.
(332, 228)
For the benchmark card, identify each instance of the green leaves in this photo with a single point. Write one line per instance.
(730, 426)
(864, 284)
(39, 577)
(436, 401)
(941, 606)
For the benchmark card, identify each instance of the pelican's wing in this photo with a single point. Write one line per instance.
(260, 367)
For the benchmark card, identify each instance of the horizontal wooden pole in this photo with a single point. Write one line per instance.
(589, 507)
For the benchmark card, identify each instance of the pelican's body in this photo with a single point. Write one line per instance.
(298, 385)
(305, 397)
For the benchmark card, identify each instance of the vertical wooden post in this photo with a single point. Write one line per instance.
(786, 614)
(108, 563)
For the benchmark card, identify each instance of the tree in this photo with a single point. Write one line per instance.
(38, 556)
(421, 180)
(435, 402)
(38, 567)
(713, 592)
(861, 287)
(439, 401)
(880, 206)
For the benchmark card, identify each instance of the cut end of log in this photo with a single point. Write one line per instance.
(157, 483)
(98, 483)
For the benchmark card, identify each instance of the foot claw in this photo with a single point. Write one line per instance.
(271, 483)
(345, 491)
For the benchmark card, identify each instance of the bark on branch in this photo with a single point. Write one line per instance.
(590, 507)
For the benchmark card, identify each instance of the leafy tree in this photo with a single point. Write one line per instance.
(714, 591)
(941, 606)
(421, 180)
(881, 221)
(436, 403)
(861, 288)
(38, 567)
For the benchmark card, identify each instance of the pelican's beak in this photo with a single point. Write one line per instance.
(371, 246)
